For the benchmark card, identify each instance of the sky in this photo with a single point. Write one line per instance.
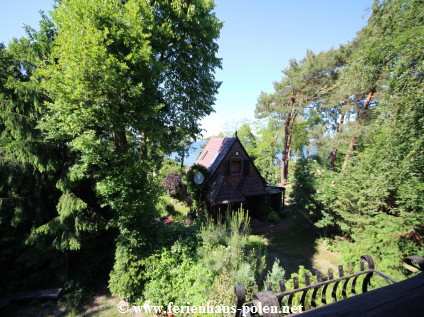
(256, 43)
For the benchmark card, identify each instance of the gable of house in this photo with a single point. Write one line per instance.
(234, 176)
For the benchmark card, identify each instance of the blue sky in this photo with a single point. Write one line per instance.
(257, 41)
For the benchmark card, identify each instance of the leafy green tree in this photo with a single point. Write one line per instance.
(29, 165)
(183, 150)
(301, 89)
(326, 120)
(247, 138)
(265, 153)
(127, 80)
(283, 105)
(376, 200)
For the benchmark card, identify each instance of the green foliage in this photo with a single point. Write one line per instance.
(185, 259)
(305, 85)
(173, 276)
(247, 138)
(75, 299)
(245, 276)
(383, 241)
(356, 205)
(168, 166)
(274, 276)
(121, 96)
(150, 256)
(196, 190)
(227, 247)
(304, 188)
(91, 103)
(301, 281)
(265, 154)
(376, 201)
(128, 274)
(28, 167)
(88, 107)
(272, 217)
(112, 89)
(171, 207)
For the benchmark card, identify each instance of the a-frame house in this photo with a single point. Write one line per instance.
(234, 178)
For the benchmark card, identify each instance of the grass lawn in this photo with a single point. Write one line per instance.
(294, 241)
(174, 208)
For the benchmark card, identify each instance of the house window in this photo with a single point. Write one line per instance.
(235, 166)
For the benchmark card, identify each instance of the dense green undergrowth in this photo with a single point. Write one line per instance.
(364, 187)
(197, 263)
(348, 210)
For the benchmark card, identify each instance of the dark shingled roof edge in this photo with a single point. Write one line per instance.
(226, 145)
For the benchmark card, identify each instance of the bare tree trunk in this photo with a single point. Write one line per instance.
(285, 156)
(354, 140)
(120, 138)
(143, 144)
(182, 158)
(333, 154)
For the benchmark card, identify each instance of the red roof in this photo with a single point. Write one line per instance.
(221, 190)
(214, 152)
(209, 151)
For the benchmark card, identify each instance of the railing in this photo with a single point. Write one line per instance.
(333, 289)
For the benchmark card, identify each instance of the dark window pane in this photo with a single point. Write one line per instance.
(236, 167)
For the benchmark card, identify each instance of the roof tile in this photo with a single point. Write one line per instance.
(214, 152)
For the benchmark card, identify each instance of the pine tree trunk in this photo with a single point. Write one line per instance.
(284, 171)
(349, 153)
(182, 158)
(353, 141)
(286, 153)
(285, 157)
(333, 155)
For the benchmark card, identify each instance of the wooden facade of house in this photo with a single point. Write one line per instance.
(234, 179)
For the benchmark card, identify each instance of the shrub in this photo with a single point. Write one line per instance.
(227, 247)
(173, 184)
(137, 254)
(272, 217)
(196, 190)
(168, 166)
(175, 276)
(274, 276)
(186, 259)
(290, 284)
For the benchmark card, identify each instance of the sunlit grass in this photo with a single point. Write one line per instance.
(298, 244)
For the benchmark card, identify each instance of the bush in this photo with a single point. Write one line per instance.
(185, 259)
(228, 248)
(272, 217)
(300, 276)
(137, 252)
(168, 166)
(196, 191)
(173, 184)
(266, 212)
(361, 209)
(274, 276)
(175, 276)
